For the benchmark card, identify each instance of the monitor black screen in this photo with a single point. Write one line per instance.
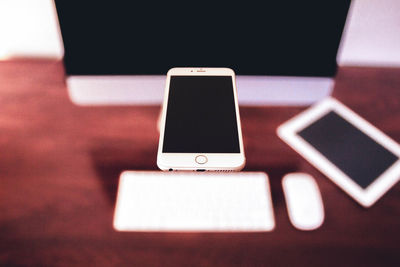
(294, 38)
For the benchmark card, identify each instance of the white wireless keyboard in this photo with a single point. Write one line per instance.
(187, 201)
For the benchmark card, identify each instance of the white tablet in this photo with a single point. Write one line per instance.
(354, 154)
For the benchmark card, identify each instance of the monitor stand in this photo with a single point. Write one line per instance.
(149, 90)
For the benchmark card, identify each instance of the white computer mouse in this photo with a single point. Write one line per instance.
(303, 201)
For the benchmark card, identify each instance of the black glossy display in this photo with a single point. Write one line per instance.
(201, 116)
(352, 151)
(298, 38)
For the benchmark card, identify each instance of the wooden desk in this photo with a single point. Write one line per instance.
(59, 167)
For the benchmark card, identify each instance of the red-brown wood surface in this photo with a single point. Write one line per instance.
(60, 163)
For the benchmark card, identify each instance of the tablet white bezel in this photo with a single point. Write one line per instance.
(366, 197)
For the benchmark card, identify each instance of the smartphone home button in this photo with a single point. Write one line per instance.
(200, 159)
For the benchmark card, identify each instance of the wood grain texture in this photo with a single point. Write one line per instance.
(60, 163)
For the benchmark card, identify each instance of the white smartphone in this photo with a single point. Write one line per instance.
(200, 123)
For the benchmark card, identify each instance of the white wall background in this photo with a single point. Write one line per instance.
(372, 34)
(29, 28)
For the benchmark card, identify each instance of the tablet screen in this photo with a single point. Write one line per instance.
(353, 152)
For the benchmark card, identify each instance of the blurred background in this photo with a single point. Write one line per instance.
(29, 28)
(60, 162)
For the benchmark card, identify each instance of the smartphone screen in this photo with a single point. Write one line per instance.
(201, 116)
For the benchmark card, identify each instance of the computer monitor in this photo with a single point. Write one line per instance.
(118, 52)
